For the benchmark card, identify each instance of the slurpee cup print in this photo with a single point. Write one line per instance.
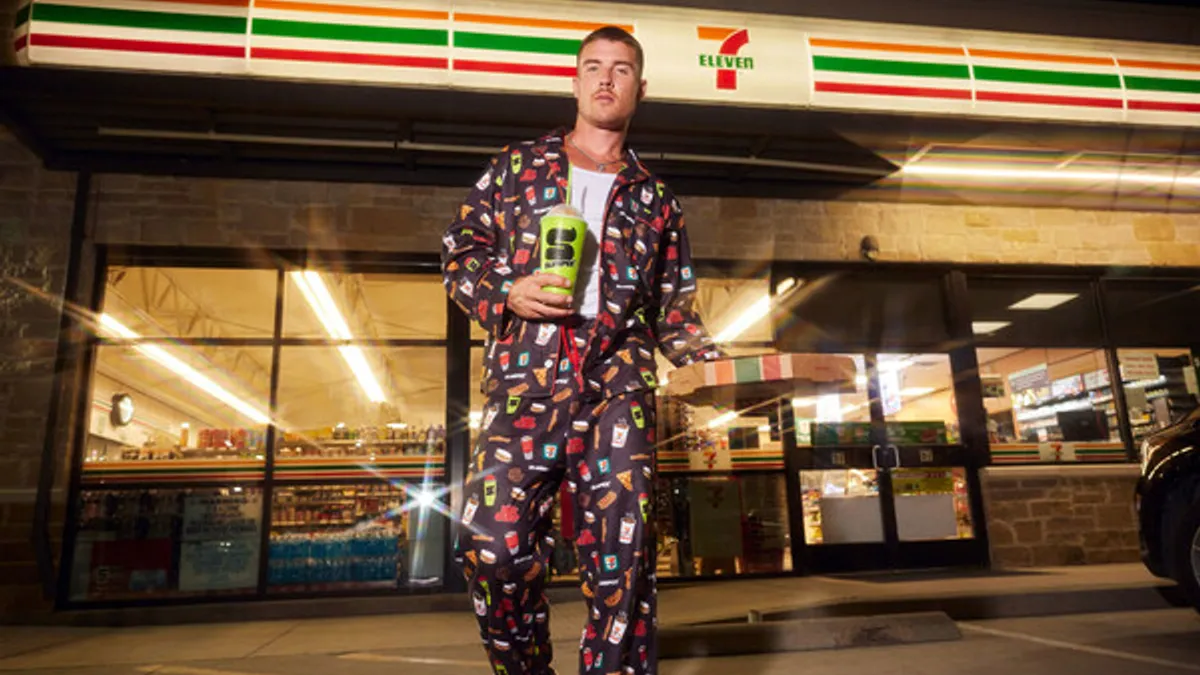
(480, 605)
(505, 360)
(648, 378)
(585, 472)
(620, 433)
(511, 623)
(530, 195)
(513, 541)
(545, 333)
(527, 447)
(470, 509)
(604, 466)
(487, 591)
(515, 162)
(618, 630)
(564, 232)
(489, 491)
(644, 505)
(610, 562)
(588, 659)
(627, 526)
(639, 417)
(550, 451)
(514, 403)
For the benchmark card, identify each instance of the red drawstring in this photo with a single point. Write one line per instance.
(573, 356)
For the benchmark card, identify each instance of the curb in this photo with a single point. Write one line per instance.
(805, 635)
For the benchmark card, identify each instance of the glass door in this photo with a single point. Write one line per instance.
(882, 475)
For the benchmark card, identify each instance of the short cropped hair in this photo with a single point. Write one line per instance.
(614, 34)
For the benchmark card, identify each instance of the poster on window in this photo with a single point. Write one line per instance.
(220, 541)
(716, 517)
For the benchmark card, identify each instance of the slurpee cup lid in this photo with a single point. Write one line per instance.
(564, 211)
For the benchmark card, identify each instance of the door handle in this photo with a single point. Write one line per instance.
(875, 456)
(896, 453)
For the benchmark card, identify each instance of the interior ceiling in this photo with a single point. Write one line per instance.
(105, 121)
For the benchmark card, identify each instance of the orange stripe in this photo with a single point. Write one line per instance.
(535, 23)
(712, 33)
(1046, 58)
(886, 47)
(1162, 65)
(327, 8)
(218, 3)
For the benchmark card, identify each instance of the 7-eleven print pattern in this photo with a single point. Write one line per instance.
(604, 453)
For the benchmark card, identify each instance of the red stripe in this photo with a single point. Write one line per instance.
(514, 68)
(21, 43)
(356, 59)
(146, 46)
(919, 92)
(1165, 106)
(1046, 99)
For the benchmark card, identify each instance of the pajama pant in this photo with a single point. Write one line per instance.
(604, 451)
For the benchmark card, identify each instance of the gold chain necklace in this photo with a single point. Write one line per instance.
(600, 166)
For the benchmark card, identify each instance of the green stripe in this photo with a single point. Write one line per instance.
(1053, 77)
(167, 472)
(844, 64)
(747, 370)
(332, 31)
(23, 15)
(516, 43)
(1139, 83)
(126, 18)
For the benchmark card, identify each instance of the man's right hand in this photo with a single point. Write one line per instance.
(527, 300)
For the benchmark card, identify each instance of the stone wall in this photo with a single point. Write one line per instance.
(1050, 516)
(212, 212)
(35, 221)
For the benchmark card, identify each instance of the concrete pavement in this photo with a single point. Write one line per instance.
(334, 641)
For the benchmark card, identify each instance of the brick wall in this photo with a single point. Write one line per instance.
(1049, 516)
(210, 212)
(35, 220)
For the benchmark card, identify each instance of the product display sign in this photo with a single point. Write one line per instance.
(993, 386)
(1037, 377)
(220, 542)
(1136, 366)
(922, 481)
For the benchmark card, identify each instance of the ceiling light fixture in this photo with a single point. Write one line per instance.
(1050, 175)
(988, 327)
(1040, 301)
(318, 297)
(193, 377)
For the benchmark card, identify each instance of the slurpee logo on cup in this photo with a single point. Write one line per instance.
(564, 232)
(514, 402)
(639, 418)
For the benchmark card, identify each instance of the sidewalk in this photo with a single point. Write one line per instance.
(1117, 587)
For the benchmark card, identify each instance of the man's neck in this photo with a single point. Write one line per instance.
(602, 144)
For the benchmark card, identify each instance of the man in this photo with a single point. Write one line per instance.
(569, 378)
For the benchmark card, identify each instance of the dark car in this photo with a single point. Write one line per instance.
(1168, 504)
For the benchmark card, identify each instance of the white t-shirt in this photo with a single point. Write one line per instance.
(589, 192)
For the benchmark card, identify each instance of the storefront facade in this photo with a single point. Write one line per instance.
(273, 400)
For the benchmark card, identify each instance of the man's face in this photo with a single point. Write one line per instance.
(608, 85)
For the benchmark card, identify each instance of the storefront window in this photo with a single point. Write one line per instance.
(1160, 388)
(175, 302)
(371, 306)
(1049, 405)
(162, 542)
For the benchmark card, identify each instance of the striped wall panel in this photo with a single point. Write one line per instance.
(376, 41)
(1025, 84)
(491, 44)
(1160, 92)
(20, 42)
(890, 76)
(207, 36)
(172, 471)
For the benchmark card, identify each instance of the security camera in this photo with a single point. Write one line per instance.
(869, 248)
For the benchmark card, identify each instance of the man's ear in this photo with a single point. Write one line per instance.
(641, 91)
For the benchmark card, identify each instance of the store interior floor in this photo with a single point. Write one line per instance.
(62, 646)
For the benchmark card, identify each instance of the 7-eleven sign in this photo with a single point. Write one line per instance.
(726, 61)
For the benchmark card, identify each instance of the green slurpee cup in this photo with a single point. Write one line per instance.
(564, 232)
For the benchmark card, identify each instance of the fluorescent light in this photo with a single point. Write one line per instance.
(1039, 301)
(319, 299)
(185, 425)
(748, 318)
(1051, 175)
(785, 286)
(397, 425)
(722, 420)
(190, 374)
(764, 428)
(803, 402)
(988, 327)
(860, 380)
(916, 391)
